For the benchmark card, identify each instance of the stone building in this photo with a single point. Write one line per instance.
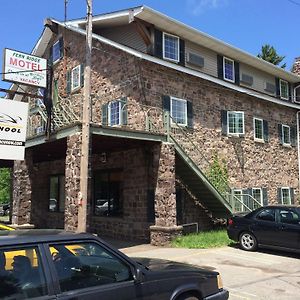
(185, 129)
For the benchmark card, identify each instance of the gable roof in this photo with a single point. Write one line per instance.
(165, 23)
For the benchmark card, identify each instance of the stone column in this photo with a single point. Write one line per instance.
(165, 227)
(22, 190)
(72, 181)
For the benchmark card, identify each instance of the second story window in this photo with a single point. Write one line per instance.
(284, 89)
(286, 135)
(235, 123)
(179, 111)
(56, 51)
(170, 47)
(228, 69)
(75, 78)
(114, 113)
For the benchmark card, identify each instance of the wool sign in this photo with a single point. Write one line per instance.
(13, 123)
(24, 68)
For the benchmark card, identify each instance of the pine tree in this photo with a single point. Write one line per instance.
(269, 54)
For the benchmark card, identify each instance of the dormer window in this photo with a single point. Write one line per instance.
(284, 89)
(228, 69)
(56, 51)
(170, 47)
(297, 94)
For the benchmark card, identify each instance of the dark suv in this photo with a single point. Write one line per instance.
(53, 264)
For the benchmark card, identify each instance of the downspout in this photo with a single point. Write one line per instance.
(298, 150)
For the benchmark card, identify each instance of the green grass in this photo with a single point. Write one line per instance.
(203, 240)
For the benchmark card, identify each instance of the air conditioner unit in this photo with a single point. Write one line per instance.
(270, 87)
(40, 130)
(247, 79)
(195, 60)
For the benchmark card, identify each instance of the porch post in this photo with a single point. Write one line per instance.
(165, 227)
(72, 180)
(22, 190)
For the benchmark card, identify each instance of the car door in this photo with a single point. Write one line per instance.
(289, 228)
(265, 227)
(23, 273)
(87, 270)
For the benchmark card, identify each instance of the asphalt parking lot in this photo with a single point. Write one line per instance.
(247, 275)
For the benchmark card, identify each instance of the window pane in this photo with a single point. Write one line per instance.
(171, 45)
(56, 52)
(235, 122)
(22, 275)
(289, 217)
(83, 265)
(285, 194)
(286, 134)
(284, 89)
(114, 113)
(108, 193)
(57, 193)
(257, 195)
(61, 193)
(267, 215)
(228, 69)
(258, 129)
(238, 200)
(179, 111)
(76, 77)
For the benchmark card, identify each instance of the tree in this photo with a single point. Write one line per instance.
(4, 185)
(268, 53)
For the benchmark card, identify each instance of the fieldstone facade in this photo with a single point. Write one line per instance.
(149, 170)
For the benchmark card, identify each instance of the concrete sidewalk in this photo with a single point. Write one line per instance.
(247, 275)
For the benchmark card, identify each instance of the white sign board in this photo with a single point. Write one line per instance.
(13, 122)
(24, 68)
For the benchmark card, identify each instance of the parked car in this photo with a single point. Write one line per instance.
(86, 267)
(275, 227)
(4, 209)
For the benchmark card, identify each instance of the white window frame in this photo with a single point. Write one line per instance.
(185, 112)
(283, 135)
(261, 195)
(73, 87)
(178, 45)
(289, 199)
(56, 44)
(295, 93)
(109, 112)
(254, 132)
(287, 88)
(239, 133)
(233, 69)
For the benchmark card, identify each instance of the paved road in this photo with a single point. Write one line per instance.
(247, 275)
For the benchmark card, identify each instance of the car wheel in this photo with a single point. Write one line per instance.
(187, 297)
(248, 241)
(6, 213)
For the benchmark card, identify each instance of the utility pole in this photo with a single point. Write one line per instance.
(86, 118)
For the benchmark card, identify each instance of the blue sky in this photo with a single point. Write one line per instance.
(245, 24)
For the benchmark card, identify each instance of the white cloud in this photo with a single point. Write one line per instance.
(197, 7)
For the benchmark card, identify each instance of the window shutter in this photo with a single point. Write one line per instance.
(290, 92)
(61, 47)
(105, 114)
(82, 75)
(265, 196)
(280, 134)
(224, 121)
(237, 72)
(151, 206)
(279, 196)
(220, 66)
(190, 114)
(292, 193)
(181, 52)
(266, 131)
(68, 82)
(277, 85)
(123, 111)
(158, 47)
(166, 102)
(293, 136)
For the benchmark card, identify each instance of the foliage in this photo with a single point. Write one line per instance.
(203, 240)
(4, 185)
(217, 174)
(268, 53)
